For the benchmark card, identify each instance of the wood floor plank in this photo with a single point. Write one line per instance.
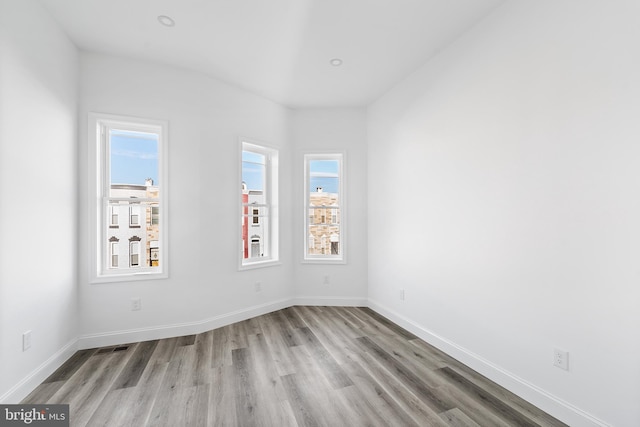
(164, 350)
(248, 411)
(87, 397)
(294, 318)
(279, 349)
(397, 350)
(203, 348)
(109, 412)
(175, 386)
(43, 393)
(137, 363)
(265, 367)
(456, 418)
(186, 340)
(304, 408)
(238, 335)
(331, 369)
(287, 331)
(386, 324)
(315, 318)
(418, 409)
(138, 412)
(383, 403)
(70, 366)
(492, 403)
(503, 394)
(222, 407)
(438, 403)
(221, 347)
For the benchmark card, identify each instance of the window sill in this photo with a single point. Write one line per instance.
(259, 264)
(324, 261)
(129, 277)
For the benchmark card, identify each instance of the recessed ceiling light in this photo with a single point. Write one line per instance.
(336, 62)
(166, 21)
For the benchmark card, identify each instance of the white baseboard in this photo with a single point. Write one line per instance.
(331, 301)
(544, 400)
(180, 329)
(41, 373)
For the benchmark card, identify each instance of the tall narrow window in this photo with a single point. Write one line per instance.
(134, 252)
(259, 223)
(113, 215)
(113, 252)
(130, 197)
(134, 215)
(324, 208)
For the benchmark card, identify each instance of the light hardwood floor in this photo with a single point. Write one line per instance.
(301, 366)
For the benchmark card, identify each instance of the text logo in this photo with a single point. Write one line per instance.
(34, 415)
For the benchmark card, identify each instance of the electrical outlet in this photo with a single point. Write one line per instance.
(26, 341)
(258, 286)
(561, 359)
(136, 304)
(326, 280)
(402, 294)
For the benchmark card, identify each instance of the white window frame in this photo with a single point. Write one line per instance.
(99, 125)
(270, 242)
(340, 217)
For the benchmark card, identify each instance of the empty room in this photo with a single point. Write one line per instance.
(320, 212)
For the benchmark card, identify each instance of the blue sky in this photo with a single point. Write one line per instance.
(253, 170)
(134, 157)
(324, 173)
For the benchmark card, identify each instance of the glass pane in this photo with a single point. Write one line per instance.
(324, 239)
(254, 168)
(255, 223)
(133, 161)
(324, 215)
(324, 177)
(139, 232)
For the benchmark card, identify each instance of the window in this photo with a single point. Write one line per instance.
(134, 251)
(324, 208)
(134, 216)
(113, 216)
(130, 183)
(113, 252)
(259, 201)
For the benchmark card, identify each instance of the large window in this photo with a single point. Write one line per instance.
(130, 197)
(258, 206)
(324, 208)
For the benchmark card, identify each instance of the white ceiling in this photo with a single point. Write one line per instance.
(279, 49)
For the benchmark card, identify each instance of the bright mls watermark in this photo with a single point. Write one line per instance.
(34, 415)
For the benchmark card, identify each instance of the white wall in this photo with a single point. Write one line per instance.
(206, 119)
(509, 170)
(38, 197)
(332, 130)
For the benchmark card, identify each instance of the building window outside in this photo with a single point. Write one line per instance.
(130, 171)
(134, 215)
(259, 200)
(324, 208)
(155, 215)
(134, 252)
(113, 216)
(114, 248)
(255, 247)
